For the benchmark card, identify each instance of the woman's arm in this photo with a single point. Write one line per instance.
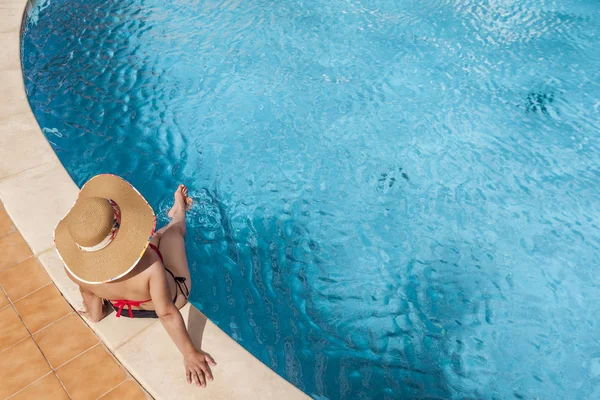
(196, 363)
(94, 306)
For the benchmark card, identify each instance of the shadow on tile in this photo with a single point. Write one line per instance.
(196, 326)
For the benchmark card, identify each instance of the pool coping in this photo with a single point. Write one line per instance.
(37, 191)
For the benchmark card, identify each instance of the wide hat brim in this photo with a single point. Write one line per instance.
(138, 223)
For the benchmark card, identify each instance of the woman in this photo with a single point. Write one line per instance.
(110, 249)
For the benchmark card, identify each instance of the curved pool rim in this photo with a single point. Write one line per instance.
(485, 251)
(36, 191)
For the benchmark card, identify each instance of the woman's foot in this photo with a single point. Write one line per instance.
(183, 202)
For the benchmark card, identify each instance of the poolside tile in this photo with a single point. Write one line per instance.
(12, 4)
(12, 329)
(21, 365)
(41, 308)
(56, 270)
(46, 388)
(91, 374)
(37, 199)
(13, 99)
(252, 378)
(128, 390)
(6, 225)
(28, 146)
(11, 17)
(23, 278)
(113, 331)
(3, 300)
(10, 57)
(58, 350)
(13, 249)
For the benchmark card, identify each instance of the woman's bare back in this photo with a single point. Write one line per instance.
(170, 242)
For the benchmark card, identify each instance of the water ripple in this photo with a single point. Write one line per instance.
(393, 199)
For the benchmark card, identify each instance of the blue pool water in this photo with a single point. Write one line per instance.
(394, 199)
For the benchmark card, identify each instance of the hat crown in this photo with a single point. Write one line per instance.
(90, 221)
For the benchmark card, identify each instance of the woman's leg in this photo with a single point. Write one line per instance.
(172, 247)
(182, 204)
(172, 241)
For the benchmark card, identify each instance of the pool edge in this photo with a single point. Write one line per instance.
(37, 191)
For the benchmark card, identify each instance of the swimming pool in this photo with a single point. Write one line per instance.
(394, 199)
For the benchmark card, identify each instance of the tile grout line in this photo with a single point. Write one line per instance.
(31, 335)
(10, 304)
(53, 369)
(39, 253)
(4, 291)
(34, 342)
(113, 354)
(19, 176)
(25, 325)
(14, 344)
(49, 325)
(12, 233)
(107, 350)
(63, 364)
(9, 232)
(39, 330)
(71, 359)
(23, 388)
(12, 266)
(45, 251)
(62, 384)
(145, 391)
(27, 244)
(111, 389)
(131, 338)
(32, 292)
(22, 172)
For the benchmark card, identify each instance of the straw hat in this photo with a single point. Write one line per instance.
(106, 232)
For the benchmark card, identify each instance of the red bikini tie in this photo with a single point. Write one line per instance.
(153, 247)
(129, 303)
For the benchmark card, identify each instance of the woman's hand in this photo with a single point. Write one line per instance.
(197, 367)
(197, 363)
(93, 306)
(85, 313)
(91, 317)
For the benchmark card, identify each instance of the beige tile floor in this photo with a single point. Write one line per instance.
(46, 350)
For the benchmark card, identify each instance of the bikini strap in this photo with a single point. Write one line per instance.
(118, 305)
(175, 279)
(179, 281)
(153, 247)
